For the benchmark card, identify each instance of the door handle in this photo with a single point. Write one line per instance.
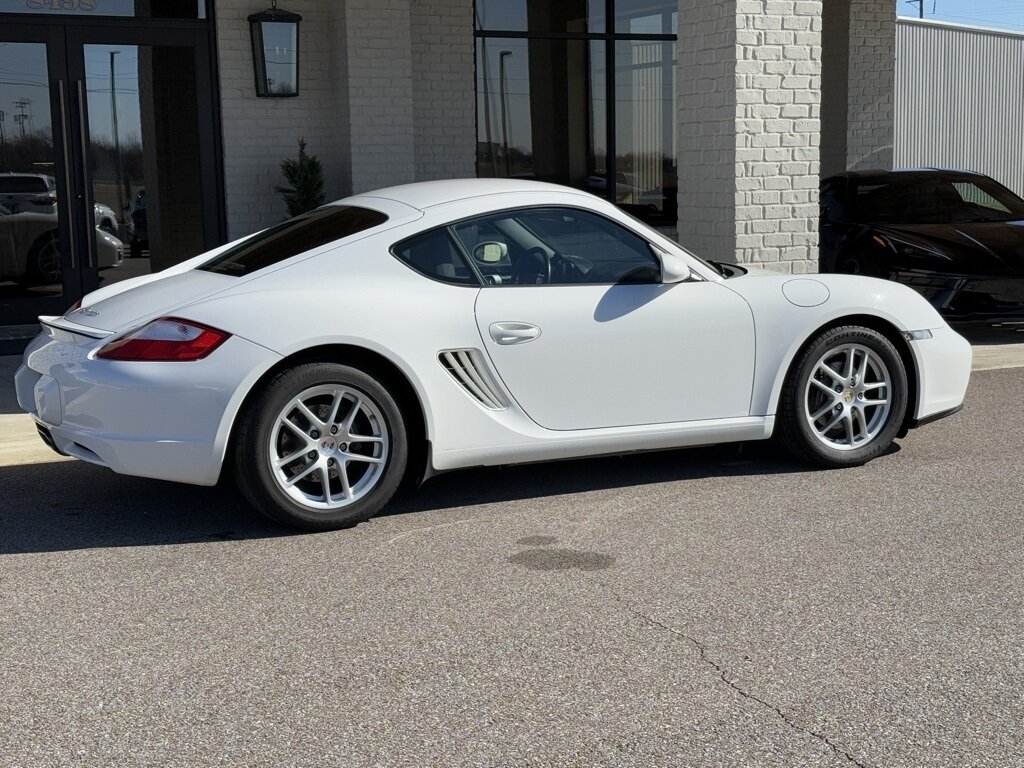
(90, 234)
(65, 128)
(513, 333)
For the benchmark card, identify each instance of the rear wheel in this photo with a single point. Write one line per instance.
(323, 446)
(845, 399)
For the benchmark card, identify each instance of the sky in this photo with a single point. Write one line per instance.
(999, 14)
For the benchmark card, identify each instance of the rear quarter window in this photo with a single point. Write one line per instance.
(290, 238)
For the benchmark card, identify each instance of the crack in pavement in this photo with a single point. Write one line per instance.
(706, 659)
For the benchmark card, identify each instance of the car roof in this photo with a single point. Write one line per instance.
(425, 194)
(903, 173)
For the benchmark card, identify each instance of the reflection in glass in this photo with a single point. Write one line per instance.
(645, 129)
(275, 42)
(646, 17)
(144, 147)
(152, 9)
(541, 110)
(30, 243)
(540, 15)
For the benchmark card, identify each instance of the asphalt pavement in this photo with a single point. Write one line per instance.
(708, 607)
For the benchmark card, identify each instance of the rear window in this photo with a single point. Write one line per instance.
(23, 184)
(295, 236)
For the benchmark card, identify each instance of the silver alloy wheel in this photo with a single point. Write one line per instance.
(848, 397)
(329, 447)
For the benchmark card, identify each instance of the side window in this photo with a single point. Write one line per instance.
(557, 246)
(435, 255)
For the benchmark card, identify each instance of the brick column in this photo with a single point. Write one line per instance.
(859, 85)
(749, 123)
(377, 45)
(872, 84)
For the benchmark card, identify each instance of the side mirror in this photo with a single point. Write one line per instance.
(491, 253)
(673, 268)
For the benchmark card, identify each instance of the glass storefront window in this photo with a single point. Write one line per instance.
(645, 129)
(31, 245)
(549, 16)
(154, 9)
(541, 110)
(542, 98)
(646, 17)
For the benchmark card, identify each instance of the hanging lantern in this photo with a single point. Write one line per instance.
(275, 51)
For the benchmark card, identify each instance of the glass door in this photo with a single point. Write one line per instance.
(108, 161)
(149, 170)
(38, 265)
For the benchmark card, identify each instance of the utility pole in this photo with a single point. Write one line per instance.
(21, 117)
(117, 140)
(3, 140)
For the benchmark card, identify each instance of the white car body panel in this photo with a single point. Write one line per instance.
(616, 369)
(623, 355)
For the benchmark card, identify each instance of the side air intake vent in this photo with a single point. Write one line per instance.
(465, 368)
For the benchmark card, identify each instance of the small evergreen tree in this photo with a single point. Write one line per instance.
(305, 178)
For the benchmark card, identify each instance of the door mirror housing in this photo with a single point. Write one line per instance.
(673, 268)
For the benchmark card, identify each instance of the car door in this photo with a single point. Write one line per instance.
(597, 340)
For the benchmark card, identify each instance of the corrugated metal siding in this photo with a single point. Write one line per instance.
(960, 100)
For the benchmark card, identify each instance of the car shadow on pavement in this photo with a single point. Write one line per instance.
(489, 485)
(72, 505)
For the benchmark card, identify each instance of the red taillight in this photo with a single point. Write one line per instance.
(165, 340)
(73, 307)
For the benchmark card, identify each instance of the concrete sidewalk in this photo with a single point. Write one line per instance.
(19, 443)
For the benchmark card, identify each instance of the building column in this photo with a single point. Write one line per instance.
(859, 85)
(749, 130)
(378, 77)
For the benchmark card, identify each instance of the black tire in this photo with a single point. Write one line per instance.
(252, 448)
(794, 430)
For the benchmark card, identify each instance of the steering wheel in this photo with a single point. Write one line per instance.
(532, 268)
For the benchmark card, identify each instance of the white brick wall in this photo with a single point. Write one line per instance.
(258, 133)
(378, 45)
(705, 83)
(750, 95)
(443, 89)
(872, 89)
(386, 96)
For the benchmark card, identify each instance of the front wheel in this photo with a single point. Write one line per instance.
(845, 399)
(323, 446)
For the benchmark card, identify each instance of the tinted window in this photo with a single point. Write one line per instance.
(23, 184)
(556, 246)
(436, 255)
(295, 236)
(935, 199)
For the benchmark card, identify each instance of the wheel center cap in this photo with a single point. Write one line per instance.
(328, 445)
(848, 396)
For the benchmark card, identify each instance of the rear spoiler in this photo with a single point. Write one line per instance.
(62, 323)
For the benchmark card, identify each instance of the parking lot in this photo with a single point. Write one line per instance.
(706, 607)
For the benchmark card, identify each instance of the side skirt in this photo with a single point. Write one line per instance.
(571, 445)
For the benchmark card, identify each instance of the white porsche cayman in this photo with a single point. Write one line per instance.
(453, 324)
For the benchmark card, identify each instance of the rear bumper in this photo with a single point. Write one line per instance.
(169, 421)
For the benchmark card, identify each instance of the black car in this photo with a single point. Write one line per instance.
(954, 236)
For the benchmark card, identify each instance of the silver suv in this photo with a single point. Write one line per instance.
(28, 193)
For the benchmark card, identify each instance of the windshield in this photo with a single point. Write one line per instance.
(935, 199)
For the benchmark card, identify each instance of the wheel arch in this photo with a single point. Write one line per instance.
(883, 326)
(373, 362)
